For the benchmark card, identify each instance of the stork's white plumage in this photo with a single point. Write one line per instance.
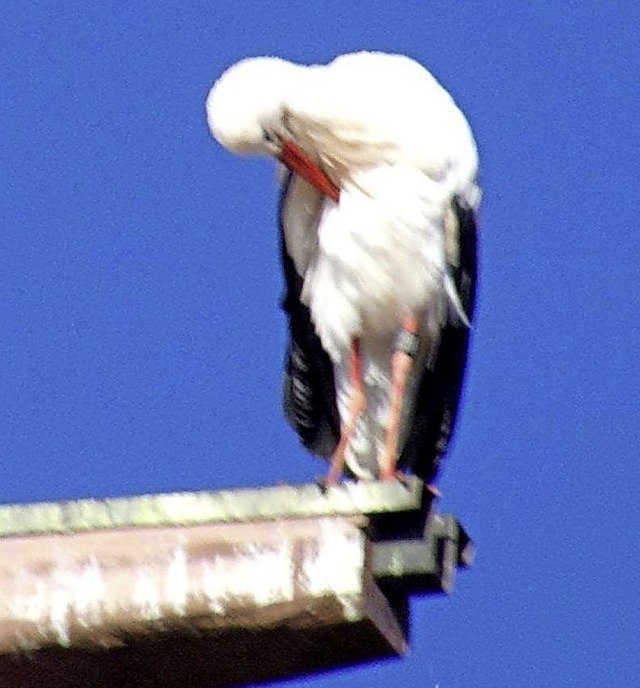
(383, 187)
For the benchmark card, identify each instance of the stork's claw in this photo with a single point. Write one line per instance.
(323, 484)
(433, 491)
(394, 474)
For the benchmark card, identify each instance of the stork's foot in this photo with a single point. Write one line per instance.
(396, 474)
(337, 462)
(433, 491)
(321, 482)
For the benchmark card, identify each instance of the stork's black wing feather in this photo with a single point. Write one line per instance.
(439, 390)
(309, 388)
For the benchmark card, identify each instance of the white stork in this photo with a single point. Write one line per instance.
(378, 239)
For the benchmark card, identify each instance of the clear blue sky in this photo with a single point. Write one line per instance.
(141, 342)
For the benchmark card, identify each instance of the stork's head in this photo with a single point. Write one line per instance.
(245, 106)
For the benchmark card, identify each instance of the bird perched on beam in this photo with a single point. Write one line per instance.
(378, 239)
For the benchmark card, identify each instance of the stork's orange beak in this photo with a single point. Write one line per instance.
(293, 157)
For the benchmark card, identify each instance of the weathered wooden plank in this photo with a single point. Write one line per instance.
(235, 602)
(223, 506)
(216, 588)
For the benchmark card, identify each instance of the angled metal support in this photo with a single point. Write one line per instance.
(426, 565)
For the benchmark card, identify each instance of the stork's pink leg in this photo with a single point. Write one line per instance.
(401, 364)
(357, 404)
